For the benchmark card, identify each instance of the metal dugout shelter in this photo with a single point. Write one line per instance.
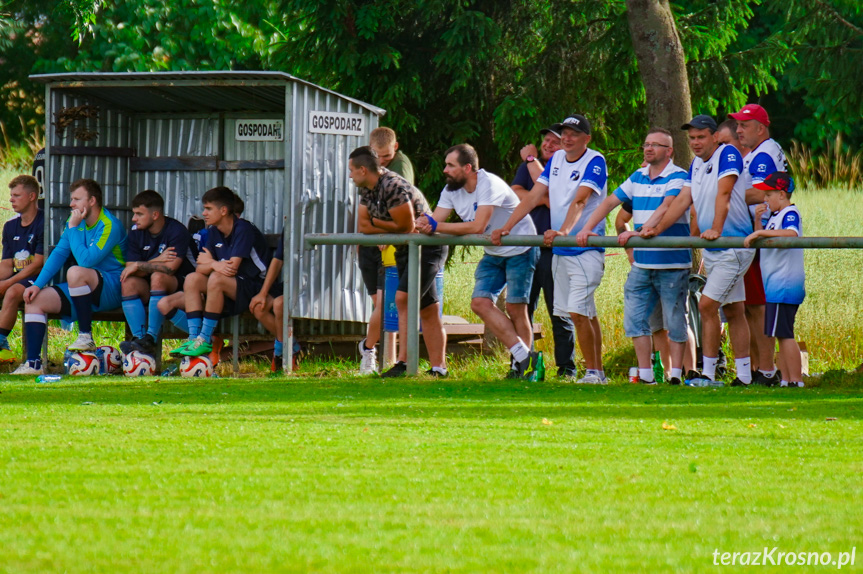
(280, 142)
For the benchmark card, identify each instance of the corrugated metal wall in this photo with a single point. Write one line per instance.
(112, 173)
(326, 281)
(166, 136)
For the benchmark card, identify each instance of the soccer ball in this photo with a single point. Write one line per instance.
(82, 364)
(196, 367)
(137, 364)
(112, 360)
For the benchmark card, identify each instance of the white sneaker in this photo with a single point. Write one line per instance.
(84, 342)
(25, 369)
(368, 362)
(591, 379)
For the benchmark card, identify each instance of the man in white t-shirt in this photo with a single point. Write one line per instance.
(484, 202)
(718, 199)
(575, 183)
(763, 157)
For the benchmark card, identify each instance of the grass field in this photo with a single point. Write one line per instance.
(354, 475)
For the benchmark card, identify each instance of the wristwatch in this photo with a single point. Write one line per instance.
(530, 159)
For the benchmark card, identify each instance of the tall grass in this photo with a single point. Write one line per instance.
(830, 321)
(18, 156)
(836, 166)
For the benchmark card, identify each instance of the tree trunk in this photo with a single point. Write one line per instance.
(662, 66)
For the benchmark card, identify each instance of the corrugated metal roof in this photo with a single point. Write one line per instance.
(224, 91)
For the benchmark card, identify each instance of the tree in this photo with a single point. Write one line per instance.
(662, 67)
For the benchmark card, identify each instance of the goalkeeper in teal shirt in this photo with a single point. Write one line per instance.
(97, 242)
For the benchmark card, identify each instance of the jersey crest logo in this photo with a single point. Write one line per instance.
(146, 248)
(16, 238)
(709, 168)
(575, 175)
(762, 167)
(162, 247)
(597, 170)
(218, 244)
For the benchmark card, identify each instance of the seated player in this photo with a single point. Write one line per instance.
(97, 241)
(161, 254)
(268, 305)
(230, 271)
(23, 254)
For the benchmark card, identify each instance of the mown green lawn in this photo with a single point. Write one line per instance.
(357, 475)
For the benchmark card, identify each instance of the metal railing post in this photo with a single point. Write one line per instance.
(413, 334)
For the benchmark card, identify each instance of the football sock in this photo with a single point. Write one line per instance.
(278, 348)
(35, 326)
(178, 318)
(154, 316)
(82, 299)
(196, 318)
(676, 373)
(519, 351)
(744, 370)
(769, 374)
(136, 315)
(709, 368)
(440, 370)
(645, 375)
(208, 326)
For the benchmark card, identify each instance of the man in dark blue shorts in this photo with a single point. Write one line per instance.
(161, 253)
(23, 254)
(230, 271)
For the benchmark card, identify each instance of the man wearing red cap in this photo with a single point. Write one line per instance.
(765, 157)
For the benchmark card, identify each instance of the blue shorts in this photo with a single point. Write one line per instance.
(516, 273)
(779, 320)
(644, 289)
(106, 296)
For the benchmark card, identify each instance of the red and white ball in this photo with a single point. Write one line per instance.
(196, 367)
(82, 364)
(112, 360)
(137, 364)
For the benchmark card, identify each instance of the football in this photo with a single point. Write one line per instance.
(82, 364)
(111, 360)
(137, 364)
(196, 367)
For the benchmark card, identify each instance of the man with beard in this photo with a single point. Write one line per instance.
(484, 202)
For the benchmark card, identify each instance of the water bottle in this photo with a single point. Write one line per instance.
(658, 371)
(49, 378)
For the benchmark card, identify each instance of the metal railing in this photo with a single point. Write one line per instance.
(415, 241)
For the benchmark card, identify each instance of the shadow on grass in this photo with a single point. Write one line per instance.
(424, 398)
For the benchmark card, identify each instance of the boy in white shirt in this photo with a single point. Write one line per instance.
(783, 273)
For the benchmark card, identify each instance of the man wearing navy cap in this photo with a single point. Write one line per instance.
(543, 278)
(575, 183)
(718, 197)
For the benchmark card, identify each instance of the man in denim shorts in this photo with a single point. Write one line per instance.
(658, 276)
(484, 202)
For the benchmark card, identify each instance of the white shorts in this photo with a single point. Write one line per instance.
(576, 277)
(725, 270)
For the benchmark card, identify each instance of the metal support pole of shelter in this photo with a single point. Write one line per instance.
(413, 334)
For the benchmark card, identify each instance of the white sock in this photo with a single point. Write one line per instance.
(600, 374)
(744, 369)
(676, 373)
(709, 368)
(519, 351)
(769, 373)
(645, 374)
(440, 370)
(783, 383)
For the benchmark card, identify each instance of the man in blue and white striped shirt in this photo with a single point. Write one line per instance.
(658, 276)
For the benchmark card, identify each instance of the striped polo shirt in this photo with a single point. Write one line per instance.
(646, 195)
